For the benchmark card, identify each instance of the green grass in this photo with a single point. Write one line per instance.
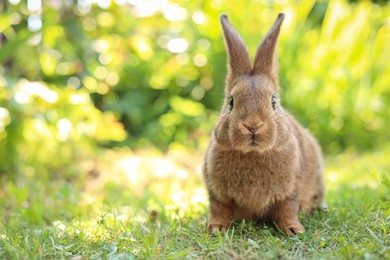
(148, 205)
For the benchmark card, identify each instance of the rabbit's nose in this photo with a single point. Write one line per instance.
(253, 128)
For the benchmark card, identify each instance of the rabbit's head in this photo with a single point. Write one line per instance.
(252, 118)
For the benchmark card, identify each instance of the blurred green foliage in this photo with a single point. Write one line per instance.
(76, 75)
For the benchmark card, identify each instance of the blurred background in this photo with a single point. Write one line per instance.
(81, 76)
(106, 107)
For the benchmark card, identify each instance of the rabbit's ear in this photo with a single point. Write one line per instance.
(266, 58)
(238, 57)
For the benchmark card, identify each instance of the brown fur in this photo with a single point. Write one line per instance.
(260, 164)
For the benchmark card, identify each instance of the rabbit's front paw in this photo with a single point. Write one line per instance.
(215, 228)
(291, 229)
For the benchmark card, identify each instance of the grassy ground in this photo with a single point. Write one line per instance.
(148, 205)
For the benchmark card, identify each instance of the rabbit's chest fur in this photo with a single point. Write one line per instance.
(253, 181)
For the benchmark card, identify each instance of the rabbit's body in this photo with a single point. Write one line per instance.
(260, 164)
(253, 181)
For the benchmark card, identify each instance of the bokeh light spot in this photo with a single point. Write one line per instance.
(182, 58)
(101, 72)
(89, 24)
(100, 45)
(203, 44)
(199, 17)
(198, 93)
(177, 45)
(105, 58)
(112, 79)
(200, 60)
(74, 82)
(175, 12)
(62, 68)
(34, 5)
(207, 82)
(142, 46)
(34, 23)
(64, 127)
(105, 19)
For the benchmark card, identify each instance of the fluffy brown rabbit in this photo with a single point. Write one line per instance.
(260, 164)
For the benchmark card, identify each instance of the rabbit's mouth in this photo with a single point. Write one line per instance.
(254, 140)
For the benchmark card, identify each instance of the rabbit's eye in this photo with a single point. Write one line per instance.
(273, 100)
(231, 103)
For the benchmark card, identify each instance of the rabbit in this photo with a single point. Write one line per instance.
(261, 164)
